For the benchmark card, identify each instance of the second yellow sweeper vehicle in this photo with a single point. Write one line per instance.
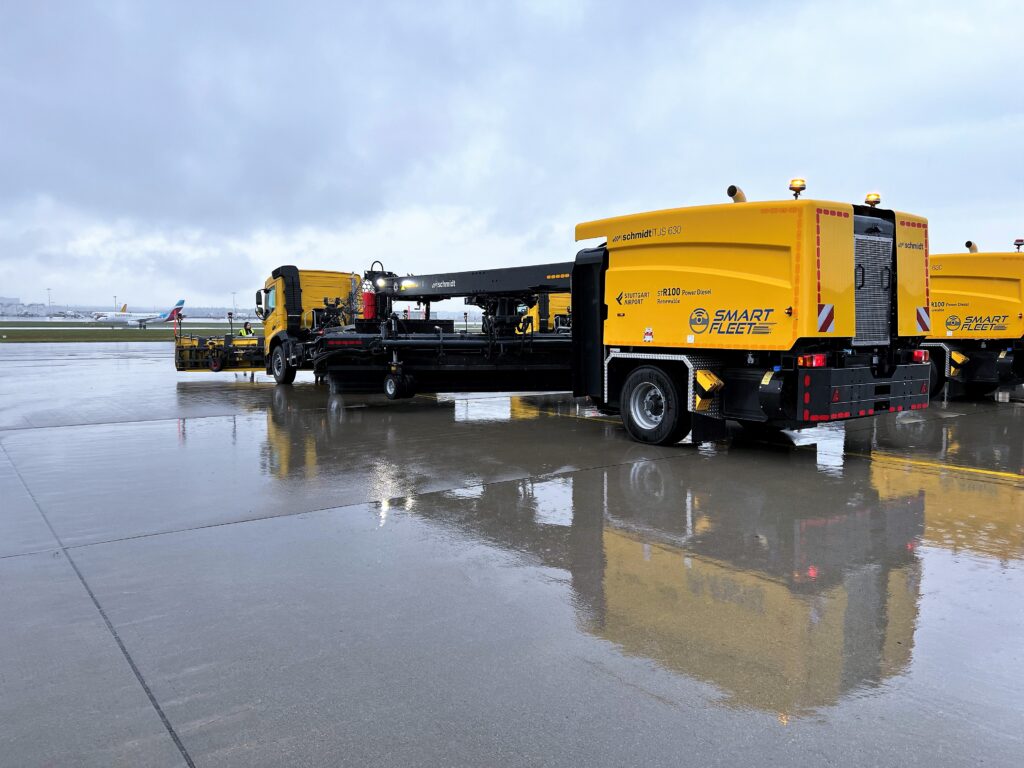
(977, 340)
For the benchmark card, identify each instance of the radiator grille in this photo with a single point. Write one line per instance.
(873, 276)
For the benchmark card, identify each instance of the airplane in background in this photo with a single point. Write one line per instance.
(142, 318)
(100, 315)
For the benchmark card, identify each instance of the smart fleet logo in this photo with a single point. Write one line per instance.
(733, 322)
(983, 323)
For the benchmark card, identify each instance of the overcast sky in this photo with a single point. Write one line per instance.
(165, 150)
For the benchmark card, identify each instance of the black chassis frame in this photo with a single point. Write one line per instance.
(430, 356)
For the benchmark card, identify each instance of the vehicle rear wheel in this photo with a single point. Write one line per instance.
(284, 372)
(653, 411)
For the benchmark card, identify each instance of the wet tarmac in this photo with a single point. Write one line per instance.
(203, 570)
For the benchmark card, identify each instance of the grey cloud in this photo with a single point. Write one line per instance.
(225, 120)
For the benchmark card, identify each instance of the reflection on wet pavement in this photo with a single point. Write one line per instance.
(857, 586)
(785, 609)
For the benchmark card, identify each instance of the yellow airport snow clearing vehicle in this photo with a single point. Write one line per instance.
(296, 306)
(977, 341)
(787, 314)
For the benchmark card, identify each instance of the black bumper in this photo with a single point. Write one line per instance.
(832, 394)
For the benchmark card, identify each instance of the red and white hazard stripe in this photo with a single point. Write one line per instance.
(826, 318)
(924, 320)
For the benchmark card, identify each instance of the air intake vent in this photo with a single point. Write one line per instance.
(873, 276)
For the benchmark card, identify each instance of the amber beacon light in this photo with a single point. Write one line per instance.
(872, 199)
(796, 186)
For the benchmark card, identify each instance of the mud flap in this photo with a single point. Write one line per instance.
(706, 429)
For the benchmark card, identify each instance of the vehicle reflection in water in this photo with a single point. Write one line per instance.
(979, 511)
(961, 434)
(783, 606)
(301, 432)
(977, 514)
(788, 578)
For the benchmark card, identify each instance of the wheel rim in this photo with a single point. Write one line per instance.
(647, 405)
(390, 387)
(278, 363)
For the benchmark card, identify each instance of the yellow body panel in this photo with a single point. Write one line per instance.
(558, 304)
(977, 296)
(316, 286)
(742, 275)
(912, 289)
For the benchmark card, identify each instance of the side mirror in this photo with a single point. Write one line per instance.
(259, 304)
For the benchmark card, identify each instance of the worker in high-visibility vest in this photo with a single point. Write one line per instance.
(247, 330)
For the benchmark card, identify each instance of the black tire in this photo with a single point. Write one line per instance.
(393, 387)
(216, 363)
(653, 411)
(284, 372)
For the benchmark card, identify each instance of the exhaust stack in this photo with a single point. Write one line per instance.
(971, 246)
(736, 194)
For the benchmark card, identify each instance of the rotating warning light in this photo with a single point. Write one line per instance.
(1019, 242)
(796, 186)
(872, 199)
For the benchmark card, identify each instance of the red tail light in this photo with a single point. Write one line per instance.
(817, 360)
(921, 356)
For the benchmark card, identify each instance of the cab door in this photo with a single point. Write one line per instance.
(274, 319)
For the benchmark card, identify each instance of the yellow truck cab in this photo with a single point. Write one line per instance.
(791, 312)
(296, 307)
(293, 305)
(977, 339)
(552, 312)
